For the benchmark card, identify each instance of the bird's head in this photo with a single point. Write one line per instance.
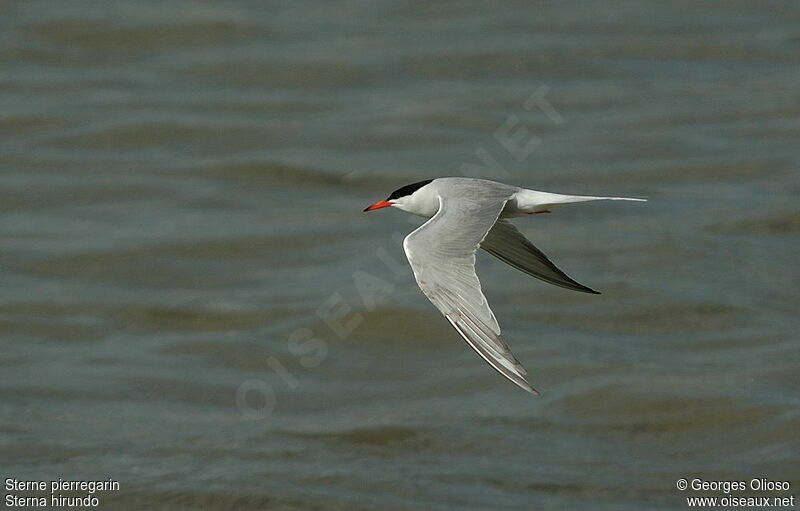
(417, 198)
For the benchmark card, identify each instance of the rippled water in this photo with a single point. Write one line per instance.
(181, 186)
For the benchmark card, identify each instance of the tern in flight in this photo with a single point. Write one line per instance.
(465, 214)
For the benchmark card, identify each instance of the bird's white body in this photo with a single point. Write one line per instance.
(425, 203)
(464, 215)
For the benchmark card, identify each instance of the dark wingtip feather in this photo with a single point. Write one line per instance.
(524, 385)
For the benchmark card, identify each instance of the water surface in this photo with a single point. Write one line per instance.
(181, 186)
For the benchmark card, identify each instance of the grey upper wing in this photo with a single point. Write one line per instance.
(509, 245)
(442, 256)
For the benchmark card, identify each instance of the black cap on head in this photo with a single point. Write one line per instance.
(408, 189)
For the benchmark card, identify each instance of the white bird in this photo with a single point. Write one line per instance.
(465, 214)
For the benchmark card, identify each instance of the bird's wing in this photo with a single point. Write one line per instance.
(442, 255)
(509, 245)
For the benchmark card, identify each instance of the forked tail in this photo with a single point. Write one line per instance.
(532, 201)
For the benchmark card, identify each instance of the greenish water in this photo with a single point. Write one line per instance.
(181, 186)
